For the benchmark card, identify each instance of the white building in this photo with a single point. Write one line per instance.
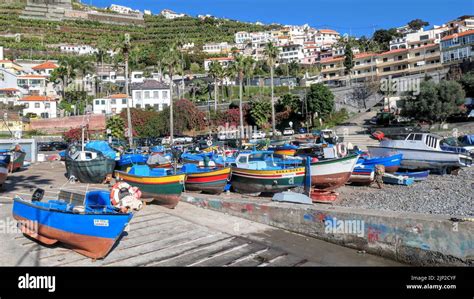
(45, 68)
(326, 37)
(137, 77)
(150, 94)
(170, 15)
(217, 48)
(113, 104)
(224, 61)
(78, 49)
(242, 37)
(36, 84)
(418, 38)
(42, 106)
(289, 53)
(123, 9)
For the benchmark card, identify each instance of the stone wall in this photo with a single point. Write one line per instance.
(59, 125)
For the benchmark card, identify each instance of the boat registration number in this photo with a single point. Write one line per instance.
(101, 222)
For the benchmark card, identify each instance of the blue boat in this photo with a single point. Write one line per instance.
(90, 229)
(363, 174)
(416, 175)
(128, 160)
(391, 163)
(397, 179)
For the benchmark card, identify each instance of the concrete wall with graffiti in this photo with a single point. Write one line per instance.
(410, 238)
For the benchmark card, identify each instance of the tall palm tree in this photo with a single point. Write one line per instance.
(215, 69)
(172, 61)
(239, 67)
(249, 70)
(271, 52)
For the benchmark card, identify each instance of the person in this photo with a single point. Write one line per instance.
(379, 172)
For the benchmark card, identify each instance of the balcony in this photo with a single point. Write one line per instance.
(391, 62)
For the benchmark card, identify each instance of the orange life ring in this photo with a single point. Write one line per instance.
(114, 193)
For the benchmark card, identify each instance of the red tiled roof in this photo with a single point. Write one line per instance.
(9, 89)
(118, 96)
(45, 65)
(5, 61)
(458, 34)
(32, 76)
(393, 51)
(37, 99)
(328, 31)
(424, 46)
(365, 54)
(221, 58)
(331, 59)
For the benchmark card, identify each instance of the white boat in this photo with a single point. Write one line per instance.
(423, 151)
(330, 174)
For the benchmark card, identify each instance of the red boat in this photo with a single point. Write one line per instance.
(319, 196)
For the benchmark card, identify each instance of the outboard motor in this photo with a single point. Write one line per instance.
(37, 195)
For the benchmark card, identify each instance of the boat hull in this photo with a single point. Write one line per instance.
(165, 191)
(94, 172)
(3, 174)
(362, 176)
(332, 174)
(398, 180)
(92, 235)
(415, 159)
(266, 181)
(391, 163)
(213, 182)
(417, 176)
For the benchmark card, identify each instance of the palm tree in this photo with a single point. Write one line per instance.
(271, 52)
(249, 69)
(172, 60)
(215, 69)
(239, 67)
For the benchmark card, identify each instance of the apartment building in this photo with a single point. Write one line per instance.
(113, 104)
(217, 48)
(457, 47)
(224, 61)
(290, 53)
(151, 94)
(41, 106)
(242, 37)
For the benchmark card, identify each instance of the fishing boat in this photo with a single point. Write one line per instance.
(330, 174)
(15, 158)
(286, 150)
(157, 160)
(416, 175)
(161, 185)
(391, 162)
(362, 174)
(89, 166)
(392, 179)
(254, 172)
(128, 160)
(3, 172)
(90, 229)
(207, 180)
(422, 151)
(198, 158)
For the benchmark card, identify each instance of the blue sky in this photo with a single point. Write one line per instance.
(358, 17)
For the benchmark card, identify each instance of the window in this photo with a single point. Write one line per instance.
(138, 95)
(138, 106)
(164, 94)
(103, 102)
(156, 107)
(411, 137)
(147, 95)
(155, 94)
(386, 69)
(27, 105)
(37, 105)
(418, 137)
(113, 101)
(124, 101)
(385, 59)
(47, 105)
(97, 102)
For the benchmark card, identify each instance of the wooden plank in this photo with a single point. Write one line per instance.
(173, 249)
(226, 257)
(284, 261)
(258, 259)
(155, 242)
(201, 253)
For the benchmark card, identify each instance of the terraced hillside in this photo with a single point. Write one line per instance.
(39, 38)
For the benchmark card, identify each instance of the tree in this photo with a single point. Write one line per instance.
(288, 108)
(249, 63)
(435, 102)
(215, 69)
(260, 112)
(417, 24)
(320, 100)
(362, 92)
(239, 67)
(383, 37)
(349, 61)
(271, 52)
(116, 125)
(467, 81)
(171, 60)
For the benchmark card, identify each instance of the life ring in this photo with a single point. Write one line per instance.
(342, 150)
(122, 187)
(209, 143)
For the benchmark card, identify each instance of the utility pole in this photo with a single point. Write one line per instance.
(129, 118)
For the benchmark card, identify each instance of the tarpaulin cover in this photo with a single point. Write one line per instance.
(468, 139)
(157, 160)
(94, 171)
(103, 147)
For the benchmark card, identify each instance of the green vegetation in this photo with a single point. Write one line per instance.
(435, 102)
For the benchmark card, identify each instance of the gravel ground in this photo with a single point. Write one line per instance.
(445, 195)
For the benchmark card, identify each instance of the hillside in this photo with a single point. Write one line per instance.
(39, 38)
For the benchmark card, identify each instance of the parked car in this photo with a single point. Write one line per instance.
(288, 131)
(44, 147)
(58, 145)
(303, 131)
(258, 135)
(277, 133)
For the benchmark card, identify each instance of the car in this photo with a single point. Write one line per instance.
(58, 145)
(45, 147)
(166, 140)
(288, 131)
(277, 133)
(303, 131)
(258, 135)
